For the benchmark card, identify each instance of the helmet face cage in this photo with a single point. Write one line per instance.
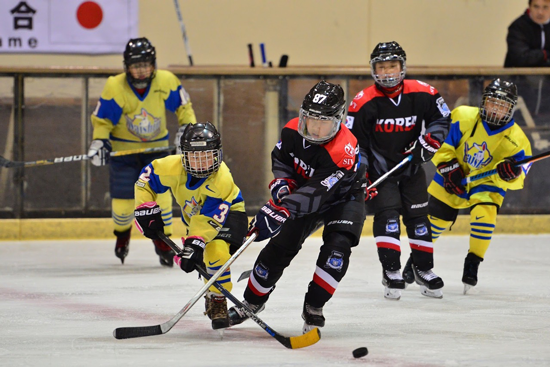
(202, 164)
(201, 149)
(322, 112)
(388, 51)
(498, 102)
(139, 50)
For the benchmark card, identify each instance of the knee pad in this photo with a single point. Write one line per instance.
(122, 211)
(387, 224)
(419, 228)
(483, 220)
(216, 253)
(334, 255)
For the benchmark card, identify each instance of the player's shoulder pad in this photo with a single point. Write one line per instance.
(292, 124)
(343, 148)
(168, 166)
(220, 183)
(418, 86)
(363, 97)
(465, 114)
(167, 79)
(114, 86)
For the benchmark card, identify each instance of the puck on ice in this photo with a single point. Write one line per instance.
(360, 352)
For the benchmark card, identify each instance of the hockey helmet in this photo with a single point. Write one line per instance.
(201, 149)
(139, 50)
(498, 102)
(322, 112)
(388, 51)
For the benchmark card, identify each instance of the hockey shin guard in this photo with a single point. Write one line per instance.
(483, 220)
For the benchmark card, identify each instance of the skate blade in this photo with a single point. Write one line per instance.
(468, 289)
(392, 294)
(307, 328)
(220, 333)
(433, 293)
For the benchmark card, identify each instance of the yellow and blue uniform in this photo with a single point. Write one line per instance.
(205, 203)
(478, 149)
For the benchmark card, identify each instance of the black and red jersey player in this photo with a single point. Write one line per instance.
(318, 181)
(391, 119)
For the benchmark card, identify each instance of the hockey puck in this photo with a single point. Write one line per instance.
(360, 352)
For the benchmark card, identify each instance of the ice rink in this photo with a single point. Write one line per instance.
(61, 300)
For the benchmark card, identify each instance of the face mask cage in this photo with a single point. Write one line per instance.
(493, 101)
(203, 163)
(140, 83)
(388, 80)
(311, 136)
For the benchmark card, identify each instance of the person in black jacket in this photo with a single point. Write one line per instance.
(318, 181)
(391, 119)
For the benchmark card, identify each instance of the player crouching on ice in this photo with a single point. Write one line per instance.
(211, 204)
(317, 182)
(480, 139)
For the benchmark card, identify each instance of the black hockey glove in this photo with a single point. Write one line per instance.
(149, 219)
(423, 149)
(192, 254)
(507, 171)
(99, 151)
(268, 221)
(281, 187)
(452, 177)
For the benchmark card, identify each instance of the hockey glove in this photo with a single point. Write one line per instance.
(99, 151)
(423, 149)
(372, 192)
(192, 254)
(452, 177)
(507, 171)
(177, 139)
(148, 219)
(268, 221)
(281, 187)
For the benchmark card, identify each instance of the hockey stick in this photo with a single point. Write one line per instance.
(293, 342)
(77, 158)
(479, 176)
(139, 331)
(184, 33)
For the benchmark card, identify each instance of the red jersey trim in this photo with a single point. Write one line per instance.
(342, 149)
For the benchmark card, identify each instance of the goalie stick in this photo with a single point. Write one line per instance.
(479, 176)
(293, 342)
(139, 331)
(77, 158)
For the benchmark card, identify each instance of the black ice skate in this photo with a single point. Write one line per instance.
(237, 315)
(430, 284)
(215, 306)
(471, 266)
(408, 275)
(393, 283)
(122, 245)
(166, 254)
(313, 317)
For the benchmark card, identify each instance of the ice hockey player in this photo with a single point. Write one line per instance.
(211, 204)
(131, 114)
(317, 182)
(391, 119)
(479, 139)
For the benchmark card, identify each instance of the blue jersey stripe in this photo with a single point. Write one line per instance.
(109, 109)
(173, 102)
(154, 181)
(454, 136)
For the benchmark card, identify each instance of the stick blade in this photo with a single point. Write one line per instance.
(305, 340)
(245, 274)
(137, 332)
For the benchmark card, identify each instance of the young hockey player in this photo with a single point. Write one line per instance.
(480, 139)
(131, 114)
(317, 182)
(211, 204)
(391, 119)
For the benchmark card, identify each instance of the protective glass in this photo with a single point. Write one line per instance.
(318, 129)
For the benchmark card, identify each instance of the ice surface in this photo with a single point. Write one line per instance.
(61, 300)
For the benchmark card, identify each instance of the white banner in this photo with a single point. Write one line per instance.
(67, 26)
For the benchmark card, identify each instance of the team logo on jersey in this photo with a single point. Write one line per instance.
(395, 125)
(420, 230)
(442, 106)
(302, 168)
(332, 179)
(261, 271)
(392, 226)
(351, 150)
(145, 126)
(477, 156)
(335, 261)
(279, 145)
(191, 207)
(215, 224)
(349, 122)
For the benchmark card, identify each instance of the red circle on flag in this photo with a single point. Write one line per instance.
(89, 14)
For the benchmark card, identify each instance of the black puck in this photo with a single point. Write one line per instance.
(360, 352)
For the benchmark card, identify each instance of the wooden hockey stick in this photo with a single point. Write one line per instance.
(139, 331)
(293, 342)
(479, 176)
(77, 158)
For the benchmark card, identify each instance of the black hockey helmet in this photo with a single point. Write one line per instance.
(388, 51)
(139, 50)
(326, 104)
(503, 95)
(201, 149)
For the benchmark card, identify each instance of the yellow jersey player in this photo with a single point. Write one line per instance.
(479, 139)
(211, 204)
(131, 114)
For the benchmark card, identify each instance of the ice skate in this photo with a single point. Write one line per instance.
(393, 283)
(122, 246)
(408, 275)
(313, 317)
(238, 316)
(215, 306)
(166, 254)
(471, 266)
(430, 284)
